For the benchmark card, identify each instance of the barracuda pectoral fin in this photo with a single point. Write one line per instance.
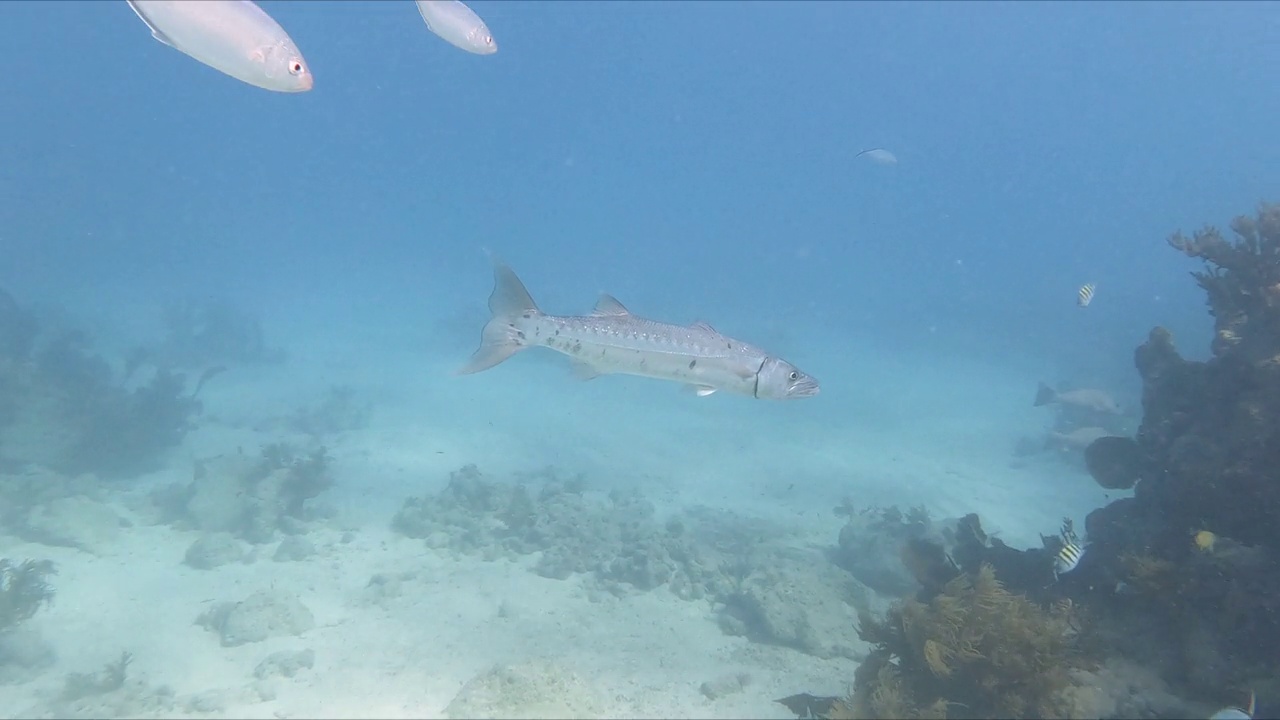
(700, 390)
(608, 306)
(155, 31)
(584, 370)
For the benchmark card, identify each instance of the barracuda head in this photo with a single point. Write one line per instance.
(780, 380)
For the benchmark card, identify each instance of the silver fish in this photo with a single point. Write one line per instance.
(233, 36)
(1085, 398)
(612, 340)
(1077, 439)
(1084, 295)
(1238, 713)
(458, 24)
(879, 155)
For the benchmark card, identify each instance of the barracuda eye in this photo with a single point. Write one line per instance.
(794, 376)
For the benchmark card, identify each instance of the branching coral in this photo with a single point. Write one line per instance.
(975, 647)
(1242, 279)
(66, 410)
(23, 591)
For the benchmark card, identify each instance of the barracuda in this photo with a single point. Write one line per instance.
(613, 340)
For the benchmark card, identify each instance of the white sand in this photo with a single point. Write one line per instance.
(938, 435)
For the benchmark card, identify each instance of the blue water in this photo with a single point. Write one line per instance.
(696, 160)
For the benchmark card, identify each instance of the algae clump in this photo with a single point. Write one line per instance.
(972, 650)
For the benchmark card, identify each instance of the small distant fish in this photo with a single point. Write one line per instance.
(612, 340)
(1085, 398)
(879, 155)
(1069, 549)
(1085, 295)
(458, 25)
(235, 37)
(1232, 712)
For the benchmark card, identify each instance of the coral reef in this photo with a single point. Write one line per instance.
(264, 614)
(761, 588)
(249, 498)
(1242, 280)
(872, 542)
(974, 647)
(68, 410)
(1194, 556)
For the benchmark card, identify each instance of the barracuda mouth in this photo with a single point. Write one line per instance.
(807, 387)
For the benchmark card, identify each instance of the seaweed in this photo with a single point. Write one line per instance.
(975, 649)
(23, 591)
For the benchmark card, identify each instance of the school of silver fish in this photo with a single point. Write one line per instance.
(240, 39)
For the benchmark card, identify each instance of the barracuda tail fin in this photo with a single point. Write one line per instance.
(501, 337)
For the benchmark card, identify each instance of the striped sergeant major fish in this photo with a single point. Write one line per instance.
(1084, 295)
(1066, 547)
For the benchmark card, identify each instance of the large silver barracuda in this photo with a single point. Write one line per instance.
(612, 340)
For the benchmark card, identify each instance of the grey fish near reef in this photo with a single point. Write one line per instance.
(1078, 439)
(1085, 295)
(1085, 398)
(458, 25)
(612, 340)
(235, 37)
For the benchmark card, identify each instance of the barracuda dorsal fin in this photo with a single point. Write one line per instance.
(705, 327)
(608, 305)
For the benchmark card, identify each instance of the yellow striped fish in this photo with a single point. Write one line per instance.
(1069, 550)
(1085, 295)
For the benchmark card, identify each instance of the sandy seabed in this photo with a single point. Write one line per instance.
(895, 435)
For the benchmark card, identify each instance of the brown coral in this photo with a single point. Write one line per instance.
(1242, 279)
(975, 646)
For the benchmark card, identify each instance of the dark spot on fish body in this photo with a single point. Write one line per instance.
(693, 364)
